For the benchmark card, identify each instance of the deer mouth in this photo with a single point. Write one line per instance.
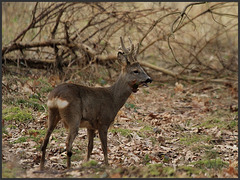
(135, 85)
(134, 88)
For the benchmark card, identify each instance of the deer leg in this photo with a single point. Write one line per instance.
(90, 142)
(103, 138)
(53, 119)
(73, 131)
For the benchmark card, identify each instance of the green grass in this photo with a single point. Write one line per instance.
(17, 114)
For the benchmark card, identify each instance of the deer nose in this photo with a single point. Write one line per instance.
(149, 80)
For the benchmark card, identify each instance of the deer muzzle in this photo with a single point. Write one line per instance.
(144, 83)
(134, 85)
(149, 80)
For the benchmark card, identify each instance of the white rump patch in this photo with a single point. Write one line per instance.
(61, 103)
(57, 102)
(51, 103)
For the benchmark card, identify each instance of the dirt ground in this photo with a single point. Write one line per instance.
(164, 130)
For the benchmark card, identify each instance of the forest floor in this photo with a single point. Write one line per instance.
(165, 130)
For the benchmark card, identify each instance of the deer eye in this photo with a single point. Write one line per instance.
(136, 71)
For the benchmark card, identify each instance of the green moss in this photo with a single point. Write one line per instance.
(233, 124)
(145, 91)
(45, 86)
(146, 128)
(143, 131)
(190, 170)
(102, 82)
(153, 140)
(211, 154)
(146, 159)
(78, 155)
(4, 131)
(130, 106)
(16, 114)
(154, 169)
(190, 139)
(151, 170)
(210, 164)
(36, 135)
(10, 170)
(202, 147)
(168, 171)
(222, 120)
(20, 140)
(123, 132)
(211, 123)
(46, 89)
(33, 103)
(11, 126)
(61, 131)
(90, 163)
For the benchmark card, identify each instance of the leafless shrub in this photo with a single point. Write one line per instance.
(196, 38)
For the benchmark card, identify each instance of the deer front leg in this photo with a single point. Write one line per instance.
(90, 142)
(103, 137)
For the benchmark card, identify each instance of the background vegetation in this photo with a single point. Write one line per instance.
(183, 125)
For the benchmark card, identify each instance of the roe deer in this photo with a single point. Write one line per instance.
(93, 108)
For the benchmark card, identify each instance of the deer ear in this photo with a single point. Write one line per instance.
(122, 59)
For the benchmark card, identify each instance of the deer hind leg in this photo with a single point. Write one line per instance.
(53, 119)
(72, 121)
(90, 133)
(72, 133)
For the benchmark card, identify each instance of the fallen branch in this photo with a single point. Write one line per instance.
(99, 59)
(186, 78)
(157, 68)
(52, 43)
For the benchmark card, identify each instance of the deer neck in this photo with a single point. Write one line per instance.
(121, 91)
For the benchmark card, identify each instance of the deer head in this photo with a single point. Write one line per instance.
(134, 74)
